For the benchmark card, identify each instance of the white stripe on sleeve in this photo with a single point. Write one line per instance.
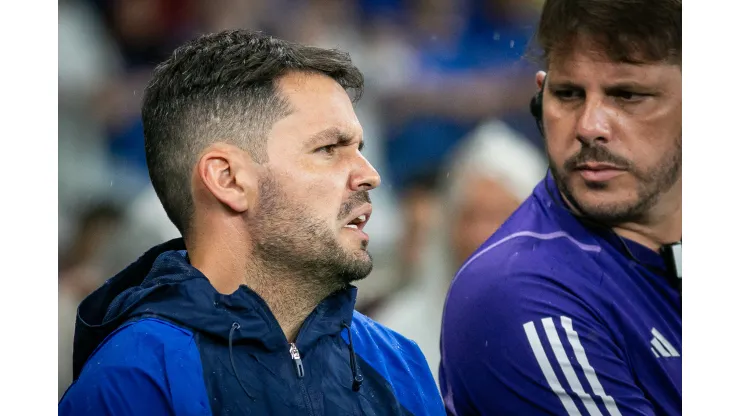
(658, 346)
(552, 380)
(593, 380)
(665, 342)
(567, 367)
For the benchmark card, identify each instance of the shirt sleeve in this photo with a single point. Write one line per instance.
(521, 342)
(121, 391)
(146, 368)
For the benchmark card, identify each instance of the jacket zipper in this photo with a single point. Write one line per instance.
(297, 363)
(295, 355)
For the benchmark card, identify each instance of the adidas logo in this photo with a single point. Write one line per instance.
(661, 347)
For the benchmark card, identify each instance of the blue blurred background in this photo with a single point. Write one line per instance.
(445, 114)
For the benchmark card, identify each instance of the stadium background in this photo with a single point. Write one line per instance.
(445, 115)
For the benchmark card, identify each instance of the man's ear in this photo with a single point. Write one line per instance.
(229, 175)
(539, 78)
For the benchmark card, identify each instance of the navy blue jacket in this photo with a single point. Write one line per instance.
(158, 339)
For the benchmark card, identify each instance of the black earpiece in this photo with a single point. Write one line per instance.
(535, 107)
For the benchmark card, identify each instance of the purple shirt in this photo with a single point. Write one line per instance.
(551, 316)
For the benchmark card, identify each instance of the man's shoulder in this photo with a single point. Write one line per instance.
(531, 253)
(399, 361)
(534, 250)
(143, 345)
(385, 348)
(535, 239)
(380, 336)
(150, 359)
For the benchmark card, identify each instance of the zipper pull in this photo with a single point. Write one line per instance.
(297, 363)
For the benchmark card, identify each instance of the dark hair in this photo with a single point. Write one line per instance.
(222, 87)
(630, 31)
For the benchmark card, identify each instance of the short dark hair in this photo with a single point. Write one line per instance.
(630, 31)
(223, 87)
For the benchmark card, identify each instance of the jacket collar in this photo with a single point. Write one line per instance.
(164, 284)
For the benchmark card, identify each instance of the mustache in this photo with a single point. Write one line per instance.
(355, 200)
(596, 154)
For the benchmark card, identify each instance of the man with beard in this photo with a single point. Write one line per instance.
(254, 150)
(574, 305)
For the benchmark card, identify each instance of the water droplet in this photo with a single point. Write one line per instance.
(496, 36)
(511, 44)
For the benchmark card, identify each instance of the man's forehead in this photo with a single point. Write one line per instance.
(587, 59)
(595, 65)
(342, 133)
(318, 106)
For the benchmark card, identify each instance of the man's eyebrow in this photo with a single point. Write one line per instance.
(628, 86)
(556, 85)
(333, 133)
(615, 86)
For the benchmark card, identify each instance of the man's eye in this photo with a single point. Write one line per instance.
(328, 149)
(628, 95)
(567, 95)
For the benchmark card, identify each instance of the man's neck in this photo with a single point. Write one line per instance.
(654, 232)
(661, 226)
(290, 298)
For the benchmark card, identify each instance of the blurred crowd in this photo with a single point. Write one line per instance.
(445, 118)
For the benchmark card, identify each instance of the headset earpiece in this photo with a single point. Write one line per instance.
(535, 107)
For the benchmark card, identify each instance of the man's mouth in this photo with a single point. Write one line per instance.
(357, 223)
(359, 218)
(597, 166)
(598, 172)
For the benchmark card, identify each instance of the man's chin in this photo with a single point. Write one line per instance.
(361, 266)
(362, 259)
(353, 246)
(607, 207)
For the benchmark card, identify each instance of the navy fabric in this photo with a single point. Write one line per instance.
(159, 339)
